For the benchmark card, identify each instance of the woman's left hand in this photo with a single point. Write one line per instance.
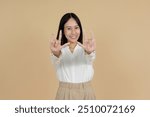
(89, 44)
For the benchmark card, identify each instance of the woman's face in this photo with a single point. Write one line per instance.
(72, 30)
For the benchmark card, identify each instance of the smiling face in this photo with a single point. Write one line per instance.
(72, 30)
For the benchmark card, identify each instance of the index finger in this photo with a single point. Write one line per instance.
(60, 35)
(92, 35)
(93, 38)
(52, 38)
(84, 36)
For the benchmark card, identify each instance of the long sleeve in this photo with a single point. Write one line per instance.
(74, 67)
(55, 60)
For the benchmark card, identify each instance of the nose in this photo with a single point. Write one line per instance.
(73, 31)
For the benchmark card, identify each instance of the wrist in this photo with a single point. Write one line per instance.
(57, 54)
(90, 52)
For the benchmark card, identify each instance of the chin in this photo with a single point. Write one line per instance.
(73, 41)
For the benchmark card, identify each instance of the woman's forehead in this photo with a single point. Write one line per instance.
(71, 22)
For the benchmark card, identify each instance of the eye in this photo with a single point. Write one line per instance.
(77, 27)
(68, 28)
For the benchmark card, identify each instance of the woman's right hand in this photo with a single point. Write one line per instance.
(55, 44)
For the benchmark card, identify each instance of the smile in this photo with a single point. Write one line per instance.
(73, 37)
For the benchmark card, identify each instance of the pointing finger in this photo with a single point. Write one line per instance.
(84, 36)
(52, 39)
(92, 35)
(93, 39)
(60, 35)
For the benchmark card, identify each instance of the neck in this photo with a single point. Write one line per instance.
(72, 45)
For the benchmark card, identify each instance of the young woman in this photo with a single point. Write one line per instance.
(73, 57)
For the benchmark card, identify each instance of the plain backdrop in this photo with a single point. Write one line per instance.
(122, 33)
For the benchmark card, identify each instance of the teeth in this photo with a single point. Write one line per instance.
(73, 37)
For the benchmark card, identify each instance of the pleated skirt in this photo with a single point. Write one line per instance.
(75, 91)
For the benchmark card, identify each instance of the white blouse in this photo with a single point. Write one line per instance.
(74, 67)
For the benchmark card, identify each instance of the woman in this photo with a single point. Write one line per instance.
(73, 60)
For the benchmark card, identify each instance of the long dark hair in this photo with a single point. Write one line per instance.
(63, 20)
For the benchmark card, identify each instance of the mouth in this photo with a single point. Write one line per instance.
(73, 37)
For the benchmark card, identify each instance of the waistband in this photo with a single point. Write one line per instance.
(74, 85)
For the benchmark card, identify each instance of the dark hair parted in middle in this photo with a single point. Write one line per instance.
(63, 20)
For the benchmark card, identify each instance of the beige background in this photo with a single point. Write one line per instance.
(122, 32)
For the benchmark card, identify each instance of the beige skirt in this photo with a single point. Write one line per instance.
(75, 91)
